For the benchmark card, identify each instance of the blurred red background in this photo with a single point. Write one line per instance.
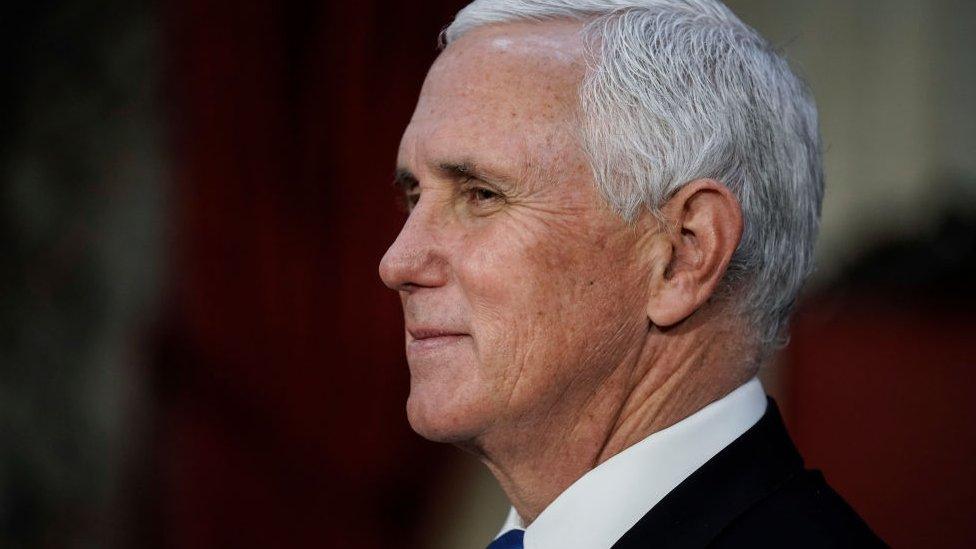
(280, 417)
(279, 374)
(880, 397)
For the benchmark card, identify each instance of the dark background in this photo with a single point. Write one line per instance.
(195, 348)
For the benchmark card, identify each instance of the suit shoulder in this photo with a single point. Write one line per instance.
(804, 512)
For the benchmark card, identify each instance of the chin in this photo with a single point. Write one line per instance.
(440, 416)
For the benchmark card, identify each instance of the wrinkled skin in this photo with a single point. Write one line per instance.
(544, 333)
(522, 292)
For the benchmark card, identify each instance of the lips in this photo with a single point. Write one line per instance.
(421, 333)
(430, 338)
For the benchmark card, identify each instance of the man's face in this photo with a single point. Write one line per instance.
(521, 290)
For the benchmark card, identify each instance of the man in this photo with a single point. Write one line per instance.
(613, 205)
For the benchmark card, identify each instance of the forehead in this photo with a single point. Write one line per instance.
(508, 91)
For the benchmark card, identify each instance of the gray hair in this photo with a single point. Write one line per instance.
(679, 90)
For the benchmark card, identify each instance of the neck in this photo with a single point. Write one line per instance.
(671, 378)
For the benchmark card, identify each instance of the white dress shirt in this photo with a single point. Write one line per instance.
(606, 502)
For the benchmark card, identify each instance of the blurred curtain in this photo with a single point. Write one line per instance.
(280, 372)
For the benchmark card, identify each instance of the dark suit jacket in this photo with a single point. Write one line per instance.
(754, 493)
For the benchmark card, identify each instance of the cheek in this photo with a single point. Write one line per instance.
(500, 287)
(543, 299)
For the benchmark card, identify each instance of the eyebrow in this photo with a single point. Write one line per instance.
(468, 169)
(454, 170)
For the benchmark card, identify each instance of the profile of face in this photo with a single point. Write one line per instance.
(521, 289)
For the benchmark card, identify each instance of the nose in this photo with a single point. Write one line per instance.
(415, 259)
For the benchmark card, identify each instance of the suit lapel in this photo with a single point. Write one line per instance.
(742, 474)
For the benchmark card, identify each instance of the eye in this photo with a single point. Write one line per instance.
(483, 199)
(484, 195)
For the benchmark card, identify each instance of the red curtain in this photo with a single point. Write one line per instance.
(281, 379)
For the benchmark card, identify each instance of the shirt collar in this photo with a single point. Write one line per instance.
(606, 502)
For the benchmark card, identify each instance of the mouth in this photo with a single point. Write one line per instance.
(430, 339)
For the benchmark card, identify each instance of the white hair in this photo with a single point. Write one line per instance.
(679, 90)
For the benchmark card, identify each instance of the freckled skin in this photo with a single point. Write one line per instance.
(560, 364)
(543, 282)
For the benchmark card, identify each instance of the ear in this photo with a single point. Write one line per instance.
(703, 227)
